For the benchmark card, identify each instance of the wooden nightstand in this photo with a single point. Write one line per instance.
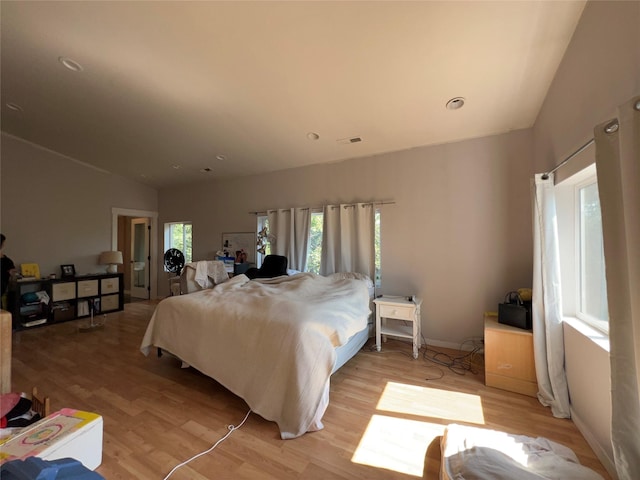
(5, 351)
(398, 317)
(508, 358)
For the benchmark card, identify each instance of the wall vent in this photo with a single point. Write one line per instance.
(347, 141)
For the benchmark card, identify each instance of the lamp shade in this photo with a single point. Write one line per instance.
(112, 259)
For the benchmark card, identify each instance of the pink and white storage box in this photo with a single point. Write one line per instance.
(63, 434)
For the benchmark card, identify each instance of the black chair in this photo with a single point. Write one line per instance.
(272, 266)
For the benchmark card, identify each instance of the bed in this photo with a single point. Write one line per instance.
(273, 342)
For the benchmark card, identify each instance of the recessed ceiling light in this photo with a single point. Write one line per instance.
(313, 136)
(14, 106)
(175, 167)
(221, 157)
(70, 64)
(455, 103)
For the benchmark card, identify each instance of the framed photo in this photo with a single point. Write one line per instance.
(235, 242)
(68, 271)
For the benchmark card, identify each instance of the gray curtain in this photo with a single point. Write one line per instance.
(548, 342)
(348, 239)
(289, 235)
(618, 167)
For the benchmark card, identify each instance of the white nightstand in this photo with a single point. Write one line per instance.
(398, 317)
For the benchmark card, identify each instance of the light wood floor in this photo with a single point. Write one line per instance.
(386, 413)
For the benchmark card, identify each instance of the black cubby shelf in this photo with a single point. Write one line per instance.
(40, 302)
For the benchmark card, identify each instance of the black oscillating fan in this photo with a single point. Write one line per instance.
(173, 260)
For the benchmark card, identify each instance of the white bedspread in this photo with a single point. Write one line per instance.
(269, 341)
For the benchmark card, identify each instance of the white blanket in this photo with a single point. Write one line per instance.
(208, 273)
(470, 453)
(269, 341)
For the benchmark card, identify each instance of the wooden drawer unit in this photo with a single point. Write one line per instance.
(63, 291)
(508, 358)
(110, 302)
(5, 351)
(109, 285)
(87, 288)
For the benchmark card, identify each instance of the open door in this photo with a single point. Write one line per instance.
(140, 258)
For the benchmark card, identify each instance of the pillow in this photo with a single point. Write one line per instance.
(352, 275)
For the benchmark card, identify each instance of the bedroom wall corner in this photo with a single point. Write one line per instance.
(57, 211)
(458, 234)
(599, 71)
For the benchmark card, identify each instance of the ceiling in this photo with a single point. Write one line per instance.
(165, 88)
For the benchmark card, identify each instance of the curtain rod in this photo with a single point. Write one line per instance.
(318, 208)
(562, 163)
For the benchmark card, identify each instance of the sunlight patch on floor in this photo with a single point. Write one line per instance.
(396, 444)
(431, 402)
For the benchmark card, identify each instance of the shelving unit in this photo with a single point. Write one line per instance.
(69, 298)
(27, 308)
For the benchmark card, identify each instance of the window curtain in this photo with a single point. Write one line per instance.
(618, 167)
(548, 341)
(348, 239)
(289, 235)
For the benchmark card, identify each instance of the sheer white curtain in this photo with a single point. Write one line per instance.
(618, 166)
(289, 233)
(348, 239)
(548, 342)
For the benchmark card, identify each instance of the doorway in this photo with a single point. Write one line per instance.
(139, 251)
(135, 235)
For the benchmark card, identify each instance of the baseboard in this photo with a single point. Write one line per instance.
(600, 452)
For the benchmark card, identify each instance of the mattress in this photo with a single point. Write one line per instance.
(349, 349)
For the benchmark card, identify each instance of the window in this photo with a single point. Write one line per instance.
(315, 242)
(592, 296)
(314, 253)
(263, 222)
(378, 280)
(179, 235)
(584, 287)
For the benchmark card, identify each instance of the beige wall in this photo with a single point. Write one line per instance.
(600, 70)
(459, 233)
(56, 211)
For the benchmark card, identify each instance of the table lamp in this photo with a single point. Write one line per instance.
(112, 259)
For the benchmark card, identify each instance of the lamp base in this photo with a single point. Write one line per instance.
(112, 268)
(92, 325)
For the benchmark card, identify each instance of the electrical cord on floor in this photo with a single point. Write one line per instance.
(231, 428)
(458, 364)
